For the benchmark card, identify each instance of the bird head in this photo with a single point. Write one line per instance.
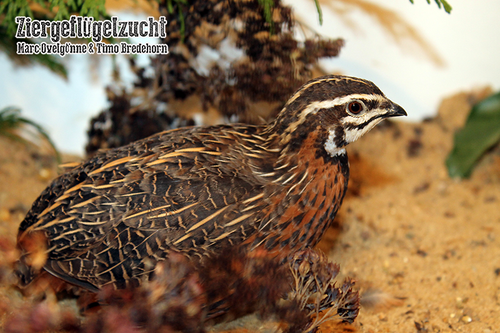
(340, 108)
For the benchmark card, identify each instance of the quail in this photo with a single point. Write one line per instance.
(200, 191)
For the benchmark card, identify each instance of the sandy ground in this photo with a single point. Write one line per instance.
(408, 233)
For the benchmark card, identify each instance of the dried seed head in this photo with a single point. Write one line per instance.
(304, 268)
(314, 289)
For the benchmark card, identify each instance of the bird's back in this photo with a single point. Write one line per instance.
(110, 219)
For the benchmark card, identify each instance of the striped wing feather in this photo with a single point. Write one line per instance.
(110, 219)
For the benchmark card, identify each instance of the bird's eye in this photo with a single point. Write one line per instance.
(355, 107)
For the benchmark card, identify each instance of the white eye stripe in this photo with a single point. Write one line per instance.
(327, 104)
(361, 97)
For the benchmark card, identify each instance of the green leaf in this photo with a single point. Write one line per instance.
(267, 6)
(170, 7)
(320, 13)
(11, 121)
(446, 6)
(481, 132)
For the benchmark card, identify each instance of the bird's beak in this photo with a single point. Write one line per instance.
(396, 111)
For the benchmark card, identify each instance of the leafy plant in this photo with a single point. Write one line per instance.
(62, 10)
(11, 122)
(52, 10)
(480, 133)
(445, 4)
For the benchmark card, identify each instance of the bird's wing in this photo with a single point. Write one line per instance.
(110, 219)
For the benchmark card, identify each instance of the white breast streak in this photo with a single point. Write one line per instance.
(330, 146)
